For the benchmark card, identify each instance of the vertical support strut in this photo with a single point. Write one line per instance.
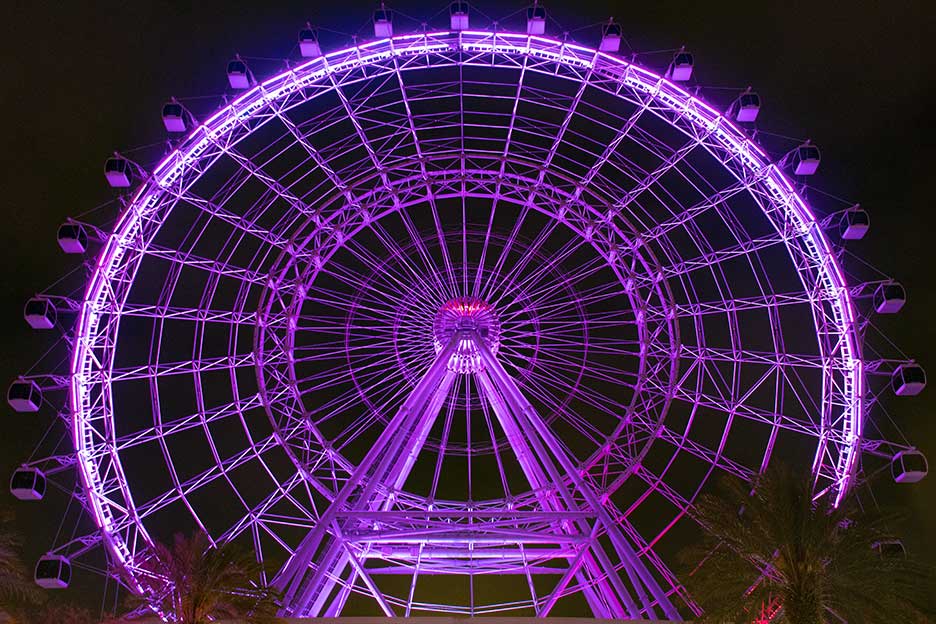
(328, 558)
(540, 483)
(547, 448)
(380, 473)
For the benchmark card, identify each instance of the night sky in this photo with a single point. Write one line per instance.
(858, 79)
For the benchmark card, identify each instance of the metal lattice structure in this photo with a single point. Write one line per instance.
(458, 305)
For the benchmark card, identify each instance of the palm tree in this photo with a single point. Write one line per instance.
(205, 583)
(823, 564)
(17, 589)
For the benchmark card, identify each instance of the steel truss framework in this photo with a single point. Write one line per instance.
(651, 272)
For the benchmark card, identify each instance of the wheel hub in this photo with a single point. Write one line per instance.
(466, 314)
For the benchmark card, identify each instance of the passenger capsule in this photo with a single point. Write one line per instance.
(610, 37)
(889, 298)
(309, 44)
(747, 108)
(53, 572)
(383, 23)
(118, 172)
(909, 466)
(680, 70)
(239, 76)
(536, 20)
(854, 224)
(173, 116)
(908, 380)
(40, 313)
(458, 16)
(72, 238)
(806, 160)
(24, 395)
(28, 484)
(890, 549)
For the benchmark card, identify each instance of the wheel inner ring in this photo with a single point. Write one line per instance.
(639, 287)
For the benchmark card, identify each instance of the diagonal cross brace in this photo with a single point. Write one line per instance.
(532, 430)
(603, 604)
(380, 473)
(529, 429)
(561, 491)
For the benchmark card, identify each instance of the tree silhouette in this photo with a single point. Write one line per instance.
(823, 564)
(17, 590)
(203, 583)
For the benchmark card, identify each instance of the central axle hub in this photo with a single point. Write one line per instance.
(466, 314)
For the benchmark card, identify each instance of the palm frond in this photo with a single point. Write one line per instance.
(820, 562)
(204, 583)
(17, 589)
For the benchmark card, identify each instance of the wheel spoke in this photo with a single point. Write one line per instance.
(585, 280)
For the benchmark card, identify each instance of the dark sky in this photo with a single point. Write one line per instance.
(81, 80)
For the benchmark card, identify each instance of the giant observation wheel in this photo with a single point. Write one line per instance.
(458, 321)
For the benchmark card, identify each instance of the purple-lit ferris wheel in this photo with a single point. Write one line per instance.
(457, 321)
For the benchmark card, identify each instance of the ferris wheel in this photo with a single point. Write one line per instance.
(458, 321)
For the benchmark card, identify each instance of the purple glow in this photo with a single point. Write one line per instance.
(460, 314)
(493, 332)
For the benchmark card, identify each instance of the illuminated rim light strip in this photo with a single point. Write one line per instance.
(99, 294)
